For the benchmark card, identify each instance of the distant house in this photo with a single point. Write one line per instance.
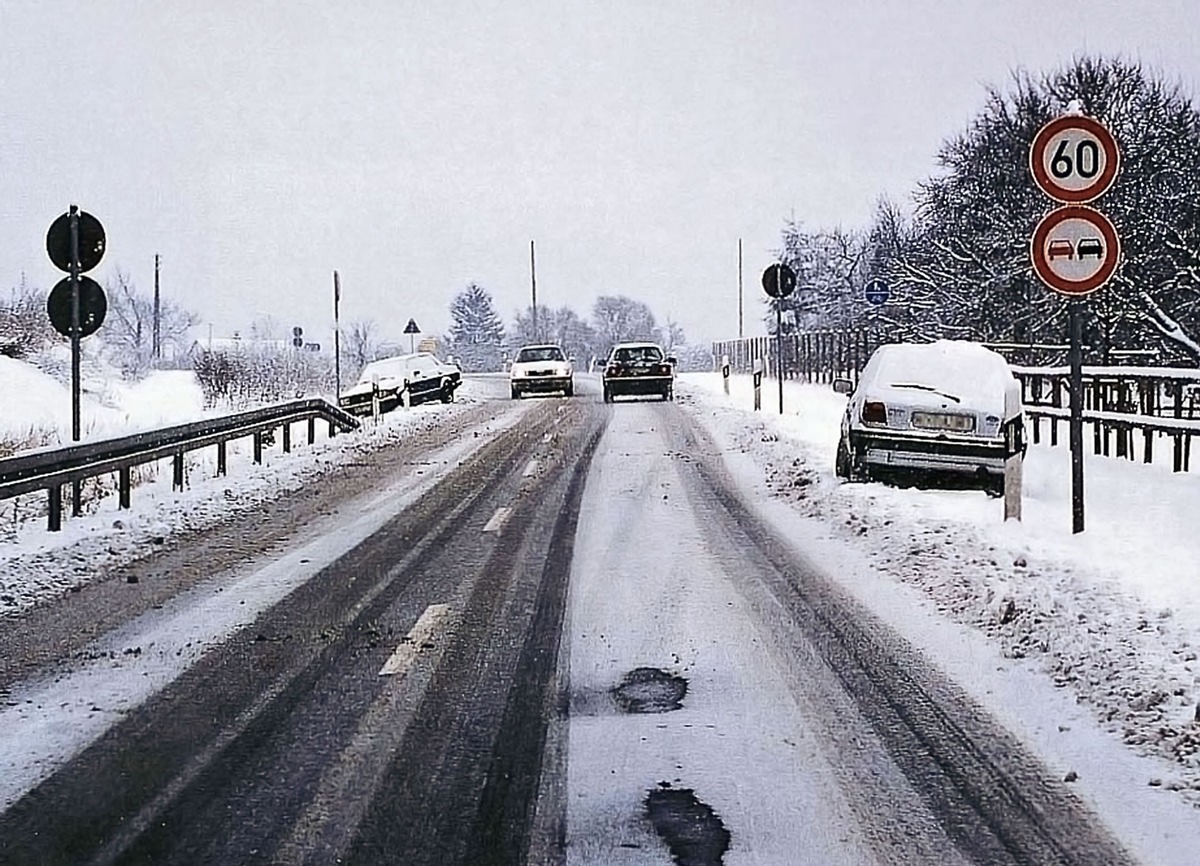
(238, 345)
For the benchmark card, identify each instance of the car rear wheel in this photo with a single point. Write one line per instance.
(447, 391)
(569, 391)
(516, 395)
(607, 395)
(844, 464)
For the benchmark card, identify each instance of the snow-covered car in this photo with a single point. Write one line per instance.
(541, 369)
(638, 369)
(422, 375)
(930, 408)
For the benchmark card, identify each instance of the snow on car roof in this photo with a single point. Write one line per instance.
(396, 364)
(968, 370)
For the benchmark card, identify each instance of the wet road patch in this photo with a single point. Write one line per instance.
(650, 690)
(694, 833)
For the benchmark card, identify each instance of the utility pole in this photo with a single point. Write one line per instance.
(741, 321)
(337, 337)
(156, 347)
(533, 285)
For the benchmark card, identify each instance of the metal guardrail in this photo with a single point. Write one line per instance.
(50, 470)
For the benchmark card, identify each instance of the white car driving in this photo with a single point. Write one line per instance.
(541, 369)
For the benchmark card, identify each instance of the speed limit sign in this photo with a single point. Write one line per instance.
(1074, 159)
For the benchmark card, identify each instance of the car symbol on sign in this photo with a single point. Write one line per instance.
(1057, 249)
(1090, 247)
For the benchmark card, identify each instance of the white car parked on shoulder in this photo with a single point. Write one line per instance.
(931, 409)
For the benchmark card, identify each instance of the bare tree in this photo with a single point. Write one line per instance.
(128, 330)
(24, 326)
(361, 346)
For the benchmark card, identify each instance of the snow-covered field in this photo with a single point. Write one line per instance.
(1086, 644)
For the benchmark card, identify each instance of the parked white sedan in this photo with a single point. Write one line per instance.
(930, 409)
(421, 376)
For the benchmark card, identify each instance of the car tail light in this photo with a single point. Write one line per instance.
(874, 412)
(613, 370)
(664, 370)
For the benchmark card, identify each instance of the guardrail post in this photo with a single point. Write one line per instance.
(221, 457)
(77, 497)
(54, 511)
(177, 471)
(258, 446)
(1148, 445)
(287, 437)
(332, 430)
(123, 486)
(312, 430)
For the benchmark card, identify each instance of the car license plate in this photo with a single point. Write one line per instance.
(943, 421)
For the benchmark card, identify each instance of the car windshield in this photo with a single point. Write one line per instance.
(540, 353)
(419, 441)
(637, 354)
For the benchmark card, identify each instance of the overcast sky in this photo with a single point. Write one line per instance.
(416, 147)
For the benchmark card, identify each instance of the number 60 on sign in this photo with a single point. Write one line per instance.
(1074, 159)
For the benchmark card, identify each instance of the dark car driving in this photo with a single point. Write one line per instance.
(638, 369)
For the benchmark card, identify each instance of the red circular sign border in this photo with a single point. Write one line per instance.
(1112, 163)
(1041, 266)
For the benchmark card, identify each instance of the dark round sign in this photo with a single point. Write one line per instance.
(91, 242)
(779, 280)
(92, 306)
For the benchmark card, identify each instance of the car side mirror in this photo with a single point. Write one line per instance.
(843, 386)
(671, 360)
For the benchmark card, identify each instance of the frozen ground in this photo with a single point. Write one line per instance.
(1107, 622)
(1088, 644)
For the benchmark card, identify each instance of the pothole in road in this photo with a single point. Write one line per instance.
(694, 833)
(650, 690)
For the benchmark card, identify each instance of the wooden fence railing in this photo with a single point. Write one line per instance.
(1127, 409)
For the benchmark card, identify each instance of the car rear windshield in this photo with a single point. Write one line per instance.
(540, 353)
(638, 354)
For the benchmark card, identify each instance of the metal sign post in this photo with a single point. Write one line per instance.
(412, 330)
(1075, 249)
(337, 338)
(779, 281)
(1076, 308)
(76, 306)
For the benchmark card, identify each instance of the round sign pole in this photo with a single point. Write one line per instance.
(1076, 308)
(1075, 249)
(76, 485)
(779, 281)
(779, 348)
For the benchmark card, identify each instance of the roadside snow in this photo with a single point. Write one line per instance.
(36, 565)
(1110, 618)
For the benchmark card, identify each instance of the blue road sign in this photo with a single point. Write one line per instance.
(877, 292)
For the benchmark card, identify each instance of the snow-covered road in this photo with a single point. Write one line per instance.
(1085, 647)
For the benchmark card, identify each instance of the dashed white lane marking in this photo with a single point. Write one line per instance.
(417, 640)
(531, 468)
(498, 519)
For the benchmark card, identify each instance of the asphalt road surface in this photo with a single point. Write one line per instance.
(578, 646)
